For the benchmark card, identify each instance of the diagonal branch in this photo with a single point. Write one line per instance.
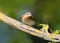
(19, 25)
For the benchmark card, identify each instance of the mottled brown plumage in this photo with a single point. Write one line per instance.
(28, 19)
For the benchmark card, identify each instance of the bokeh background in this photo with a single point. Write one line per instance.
(44, 11)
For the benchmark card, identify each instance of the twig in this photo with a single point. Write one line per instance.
(19, 25)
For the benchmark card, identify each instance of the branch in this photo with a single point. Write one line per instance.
(19, 25)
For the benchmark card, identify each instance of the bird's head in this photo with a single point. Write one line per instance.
(26, 15)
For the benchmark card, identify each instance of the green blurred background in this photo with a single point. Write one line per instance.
(44, 11)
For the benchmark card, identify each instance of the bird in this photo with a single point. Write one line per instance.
(28, 19)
